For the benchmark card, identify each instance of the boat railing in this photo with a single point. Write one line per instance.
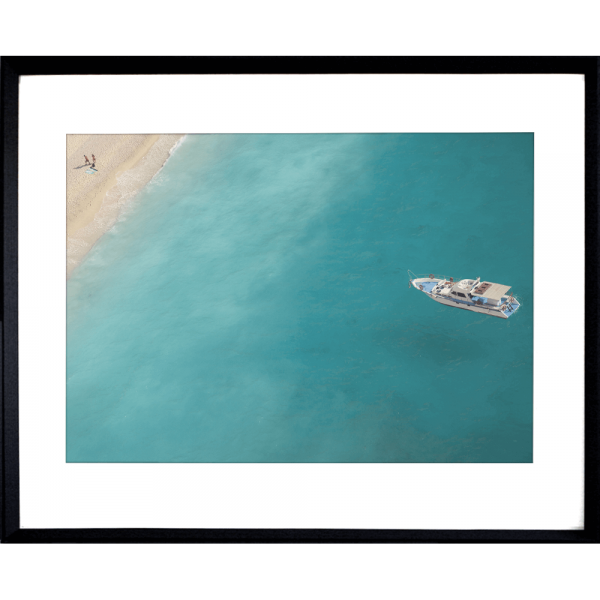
(412, 276)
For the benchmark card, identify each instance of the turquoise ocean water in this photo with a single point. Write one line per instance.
(252, 305)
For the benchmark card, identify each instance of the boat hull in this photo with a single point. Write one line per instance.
(478, 309)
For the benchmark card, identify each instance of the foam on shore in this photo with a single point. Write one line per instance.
(125, 163)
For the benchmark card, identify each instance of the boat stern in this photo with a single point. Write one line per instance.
(511, 308)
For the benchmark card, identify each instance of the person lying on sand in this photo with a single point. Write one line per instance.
(87, 160)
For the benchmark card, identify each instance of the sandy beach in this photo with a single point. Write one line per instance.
(125, 164)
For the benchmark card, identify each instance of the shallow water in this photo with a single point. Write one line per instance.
(252, 305)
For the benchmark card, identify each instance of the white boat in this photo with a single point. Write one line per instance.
(469, 294)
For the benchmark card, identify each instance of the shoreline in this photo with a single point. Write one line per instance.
(125, 164)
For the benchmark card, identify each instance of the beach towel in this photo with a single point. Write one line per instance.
(91, 171)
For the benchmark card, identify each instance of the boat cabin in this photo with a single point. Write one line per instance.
(461, 289)
(459, 293)
(489, 293)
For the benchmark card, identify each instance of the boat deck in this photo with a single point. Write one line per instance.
(514, 306)
(428, 286)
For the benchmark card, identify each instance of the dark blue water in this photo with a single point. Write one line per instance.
(252, 305)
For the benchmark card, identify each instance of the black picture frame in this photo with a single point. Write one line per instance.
(11, 68)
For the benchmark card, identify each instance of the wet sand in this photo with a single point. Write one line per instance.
(125, 164)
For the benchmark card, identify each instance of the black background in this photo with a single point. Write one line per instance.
(13, 67)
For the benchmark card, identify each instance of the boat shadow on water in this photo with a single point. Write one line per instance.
(439, 345)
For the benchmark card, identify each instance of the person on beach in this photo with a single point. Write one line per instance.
(93, 158)
(87, 160)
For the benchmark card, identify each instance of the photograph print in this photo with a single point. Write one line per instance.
(300, 298)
